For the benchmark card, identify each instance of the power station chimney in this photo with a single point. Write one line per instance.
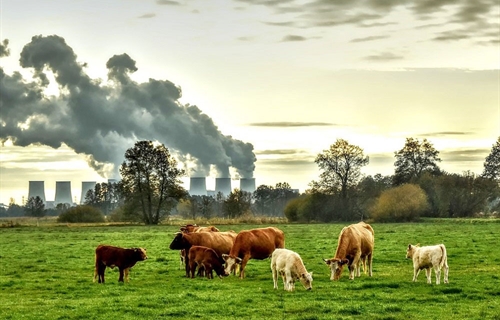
(197, 186)
(247, 184)
(36, 189)
(86, 186)
(223, 185)
(63, 192)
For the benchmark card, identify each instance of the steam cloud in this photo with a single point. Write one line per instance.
(103, 120)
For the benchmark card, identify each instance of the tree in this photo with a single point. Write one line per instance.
(150, 181)
(35, 208)
(237, 203)
(403, 203)
(105, 197)
(492, 163)
(414, 159)
(341, 166)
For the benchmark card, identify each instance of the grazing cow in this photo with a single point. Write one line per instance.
(291, 268)
(124, 259)
(355, 246)
(221, 242)
(253, 244)
(428, 257)
(193, 228)
(206, 258)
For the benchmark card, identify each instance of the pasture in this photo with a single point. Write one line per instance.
(46, 273)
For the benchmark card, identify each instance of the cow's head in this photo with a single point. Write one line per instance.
(307, 280)
(336, 266)
(140, 254)
(178, 243)
(411, 250)
(231, 263)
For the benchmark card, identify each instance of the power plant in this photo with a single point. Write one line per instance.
(37, 189)
(86, 186)
(63, 192)
(223, 185)
(198, 186)
(247, 184)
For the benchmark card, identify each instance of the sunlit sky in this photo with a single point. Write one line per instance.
(289, 77)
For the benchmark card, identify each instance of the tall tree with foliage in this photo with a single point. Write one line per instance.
(237, 203)
(414, 159)
(341, 168)
(151, 184)
(35, 208)
(492, 163)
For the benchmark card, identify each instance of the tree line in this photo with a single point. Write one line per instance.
(150, 190)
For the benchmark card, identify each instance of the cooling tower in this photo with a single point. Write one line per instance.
(112, 181)
(63, 192)
(86, 186)
(37, 189)
(223, 185)
(247, 184)
(197, 186)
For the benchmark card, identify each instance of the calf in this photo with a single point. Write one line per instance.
(291, 268)
(428, 257)
(206, 258)
(124, 259)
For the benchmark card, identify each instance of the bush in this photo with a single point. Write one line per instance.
(81, 214)
(404, 203)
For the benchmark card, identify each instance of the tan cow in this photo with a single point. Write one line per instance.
(428, 257)
(124, 259)
(355, 246)
(291, 268)
(221, 242)
(205, 258)
(193, 228)
(253, 244)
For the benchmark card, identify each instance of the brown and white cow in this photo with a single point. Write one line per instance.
(221, 242)
(253, 244)
(207, 259)
(355, 246)
(428, 257)
(124, 259)
(290, 266)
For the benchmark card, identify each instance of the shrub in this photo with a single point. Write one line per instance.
(404, 203)
(81, 214)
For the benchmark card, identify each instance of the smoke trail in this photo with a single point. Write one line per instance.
(103, 120)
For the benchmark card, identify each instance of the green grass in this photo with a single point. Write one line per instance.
(46, 273)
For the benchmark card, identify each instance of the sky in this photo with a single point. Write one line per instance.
(242, 88)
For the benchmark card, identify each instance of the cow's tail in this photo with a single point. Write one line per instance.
(444, 256)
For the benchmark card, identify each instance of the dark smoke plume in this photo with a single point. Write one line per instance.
(103, 120)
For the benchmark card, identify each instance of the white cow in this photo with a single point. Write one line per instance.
(428, 257)
(291, 268)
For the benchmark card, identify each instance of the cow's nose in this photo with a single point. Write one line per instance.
(310, 288)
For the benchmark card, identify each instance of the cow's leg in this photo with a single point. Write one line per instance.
(244, 262)
(445, 273)
(284, 280)
(437, 271)
(192, 268)
(100, 272)
(120, 279)
(369, 259)
(289, 280)
(186, 262)
(275, 276)
(428, 272)
(416, 271)
(126, 272)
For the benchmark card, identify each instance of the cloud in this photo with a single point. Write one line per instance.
(280, 152)
(291, 124)
(385, 56)
(292, 38)
(101, 121)
(371, 38)
(168, 3)
(445, 133)
(4, 50)
(464, 155)
(147, 16)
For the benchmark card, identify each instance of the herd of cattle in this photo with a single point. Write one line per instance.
(207, 249)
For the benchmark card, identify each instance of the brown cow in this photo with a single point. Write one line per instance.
(124, 259)
(193, 228)
(355, 246)
(221, 242)
(206, 258)
(253, 244)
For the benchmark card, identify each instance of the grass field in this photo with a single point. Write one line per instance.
(46, 273)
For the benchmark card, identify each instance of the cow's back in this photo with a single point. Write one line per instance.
(258, 243)
(221, 242)
(354, 238)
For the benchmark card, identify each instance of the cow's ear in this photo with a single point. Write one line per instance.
(409, 246)
(225, 256)
(345, 261)
(417, 245)
(238, 260)
(327, 261)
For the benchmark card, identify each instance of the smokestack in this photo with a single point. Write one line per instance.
(86, 186)
(197, 186)
(110, 181)
(36, 189)
(247, 184)
(63, 192)
(223, 185)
